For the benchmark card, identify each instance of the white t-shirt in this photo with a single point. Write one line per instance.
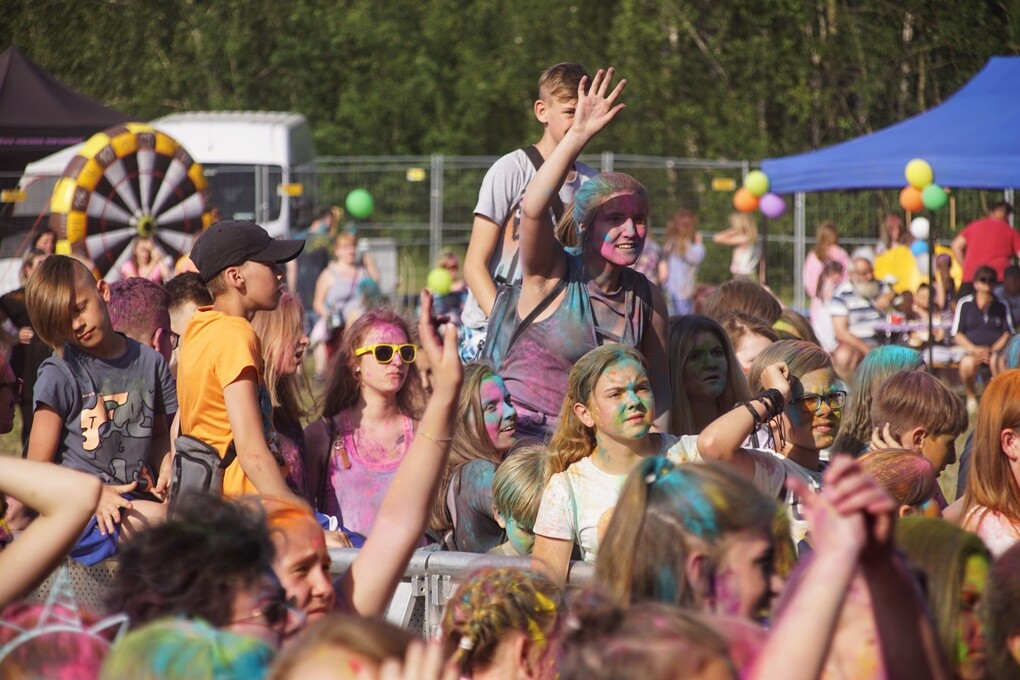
(770, 472)
(998, 533)
(578, 503)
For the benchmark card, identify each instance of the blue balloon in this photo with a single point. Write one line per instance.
(919, 247)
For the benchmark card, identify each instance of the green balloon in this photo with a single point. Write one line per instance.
(757, 182)
(934, 197)
(439, 281)
(359, 204)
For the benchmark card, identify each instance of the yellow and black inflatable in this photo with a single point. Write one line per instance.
(130, 181)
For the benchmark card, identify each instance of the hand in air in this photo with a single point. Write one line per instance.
(777, 376)
(441, 352)
(595, 109)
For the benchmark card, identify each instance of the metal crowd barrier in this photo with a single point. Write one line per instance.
(432, 577)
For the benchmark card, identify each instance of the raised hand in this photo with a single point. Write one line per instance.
(447, 371)
(777, 376)
(595, 109)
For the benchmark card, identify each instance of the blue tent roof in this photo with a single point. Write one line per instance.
(972, 140)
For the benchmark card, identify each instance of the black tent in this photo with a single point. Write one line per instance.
(40, 115)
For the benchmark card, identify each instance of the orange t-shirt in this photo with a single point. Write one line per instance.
(215, 350)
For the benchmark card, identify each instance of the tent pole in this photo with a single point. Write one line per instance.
(799, 250)
(931, 290)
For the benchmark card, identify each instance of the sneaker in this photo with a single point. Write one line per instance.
(972, 405)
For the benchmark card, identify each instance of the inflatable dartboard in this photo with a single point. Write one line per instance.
(129, 182)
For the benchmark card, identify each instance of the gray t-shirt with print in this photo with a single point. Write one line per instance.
(109, 408)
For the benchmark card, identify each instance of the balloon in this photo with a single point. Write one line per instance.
(920, 227)
(910, 199)
(359, 204)
(934, 197)
(918, 173)
(757, 182)
(745, 201)
(439, 281)
(772, 206)
(919, 247)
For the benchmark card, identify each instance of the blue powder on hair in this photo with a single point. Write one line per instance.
(665, 584)
(693, 506)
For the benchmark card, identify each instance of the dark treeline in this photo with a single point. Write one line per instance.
(709, 79)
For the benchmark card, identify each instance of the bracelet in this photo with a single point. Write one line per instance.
(435, 439)
(773, 401)
(754, 414)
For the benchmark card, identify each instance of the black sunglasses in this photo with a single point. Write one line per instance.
(18, 386)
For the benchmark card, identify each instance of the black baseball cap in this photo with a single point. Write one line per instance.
(230, 243)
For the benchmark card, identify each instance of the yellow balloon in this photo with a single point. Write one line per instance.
(919, 174)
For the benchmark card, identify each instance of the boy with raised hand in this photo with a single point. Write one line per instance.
(492, 251)
(222, 396)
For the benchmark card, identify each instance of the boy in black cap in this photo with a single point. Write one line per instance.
(221, 394)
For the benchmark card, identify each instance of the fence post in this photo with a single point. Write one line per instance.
(607, 161)
(436, 210)
(799, 242)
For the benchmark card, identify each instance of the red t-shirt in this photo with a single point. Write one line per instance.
(990, 242)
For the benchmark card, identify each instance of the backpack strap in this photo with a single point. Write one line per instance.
(556, 205)
(530, 318)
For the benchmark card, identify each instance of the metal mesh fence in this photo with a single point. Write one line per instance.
(426, 203)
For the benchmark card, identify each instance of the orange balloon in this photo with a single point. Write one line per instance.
(910, 199)
(746, 202)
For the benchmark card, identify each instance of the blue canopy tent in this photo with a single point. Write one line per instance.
(970, 140)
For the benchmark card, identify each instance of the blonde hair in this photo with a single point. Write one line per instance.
(662, 508)
(561, 81)
(991, 484)
(680, 231)
(492, 603)
(519, 482)
(470, 441)
(277, 330)
(597, 191)
(826, 236)
(746, 225)
(50, 295)
(371, 637)
(573, 440)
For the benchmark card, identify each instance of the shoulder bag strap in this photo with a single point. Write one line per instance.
(536, 159)
(530, 318)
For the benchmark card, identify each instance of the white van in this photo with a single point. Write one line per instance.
(251, 159)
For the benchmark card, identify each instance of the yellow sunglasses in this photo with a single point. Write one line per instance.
(384, 352)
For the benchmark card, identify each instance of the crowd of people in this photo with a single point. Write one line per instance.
(759, 498)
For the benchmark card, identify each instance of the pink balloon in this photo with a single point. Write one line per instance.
(772, 206)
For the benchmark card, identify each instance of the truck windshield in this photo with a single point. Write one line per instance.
(245, 192)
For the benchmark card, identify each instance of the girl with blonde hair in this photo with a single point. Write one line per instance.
(684, 251)
(742, 236)
(501, 622)
(462, 515)
(604, 433)
(283, 339)
(578, 299)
